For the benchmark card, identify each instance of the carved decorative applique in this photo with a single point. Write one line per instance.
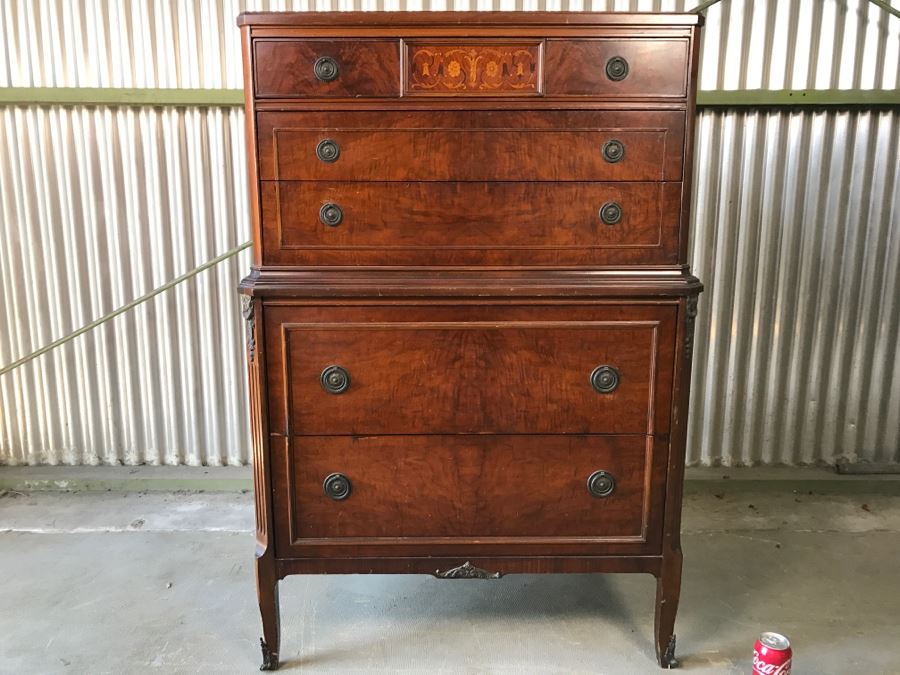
(247, 312)
(485, 70)
(467, 571)
(690, 315)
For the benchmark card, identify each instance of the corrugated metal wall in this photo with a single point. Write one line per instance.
(796, 234)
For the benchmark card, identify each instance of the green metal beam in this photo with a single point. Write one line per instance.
(115, 96)
(46, 96)
(761, 98)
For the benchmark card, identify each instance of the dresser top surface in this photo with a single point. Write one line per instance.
(387, 19)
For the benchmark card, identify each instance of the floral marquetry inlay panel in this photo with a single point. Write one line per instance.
(474, 69)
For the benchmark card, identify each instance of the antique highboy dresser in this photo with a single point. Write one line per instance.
(469, 317)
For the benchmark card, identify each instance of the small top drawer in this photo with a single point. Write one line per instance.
(327, 68)
(620, 67)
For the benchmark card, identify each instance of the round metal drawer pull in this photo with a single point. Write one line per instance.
(617, 68)
(337, 486)
(328, 150)
(605, 379)
(601, 484)
(326, 69)
(331, 214)
(611, 213)
(335, 380)
(613, 151)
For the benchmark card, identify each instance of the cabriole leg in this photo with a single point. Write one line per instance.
(668, 590)
(267, 590)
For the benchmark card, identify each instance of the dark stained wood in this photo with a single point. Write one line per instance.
(266, 570)
(469, 223)
(578, 67)
(490, 146)
(470, 369)
(668, 592)
(512, 21)
(251, 145)
(659, 284)
(504, 564)
(470, 487)
(469, 289)
(284, 68)
(425, 453)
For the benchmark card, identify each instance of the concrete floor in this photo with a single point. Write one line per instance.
(162, 582)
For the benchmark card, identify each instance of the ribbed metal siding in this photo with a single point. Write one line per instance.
(796, 235)
(98, 207)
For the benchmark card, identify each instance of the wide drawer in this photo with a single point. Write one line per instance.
(326, 68)
(398, 223)
(585, 487)
(471, 146)
(616, 67)
(608, 67)
(470, 369)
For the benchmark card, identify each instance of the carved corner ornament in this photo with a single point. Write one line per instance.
(247, 311)
(467, 571)
(689, 317)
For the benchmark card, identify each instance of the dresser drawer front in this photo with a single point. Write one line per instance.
(617, 68)
(502, 488)
(327, 68)
(473, 370)
(471, 146)
(421, 223)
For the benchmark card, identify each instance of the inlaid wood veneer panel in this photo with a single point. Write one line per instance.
(473, 69)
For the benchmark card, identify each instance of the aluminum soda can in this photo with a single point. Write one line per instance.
(772, 655)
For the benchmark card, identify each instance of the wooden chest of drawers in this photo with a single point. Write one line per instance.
(469, 318)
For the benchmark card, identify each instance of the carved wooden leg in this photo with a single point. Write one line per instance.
(668, 590)
(267, 590)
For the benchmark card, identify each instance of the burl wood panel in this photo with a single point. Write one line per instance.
(473, 222)
(473, 69)
(656, 67)
(472, 146)
(469, 486)
(284, 68)
(461, 370)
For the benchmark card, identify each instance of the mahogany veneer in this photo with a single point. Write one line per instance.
(469, 318)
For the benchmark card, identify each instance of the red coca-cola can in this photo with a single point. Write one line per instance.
(772, 655)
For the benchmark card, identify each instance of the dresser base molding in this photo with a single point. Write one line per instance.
(503, 565)
(666, 569)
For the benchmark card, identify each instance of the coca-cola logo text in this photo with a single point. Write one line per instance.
(763, 668)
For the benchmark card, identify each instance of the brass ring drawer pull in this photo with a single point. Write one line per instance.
(328, 151)
(335, 380)
(617, 68)
(605, 379)
(326, 69)
(611, 213)
(613, 151)
(331, 214)
(337, 486)
(601, 484)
